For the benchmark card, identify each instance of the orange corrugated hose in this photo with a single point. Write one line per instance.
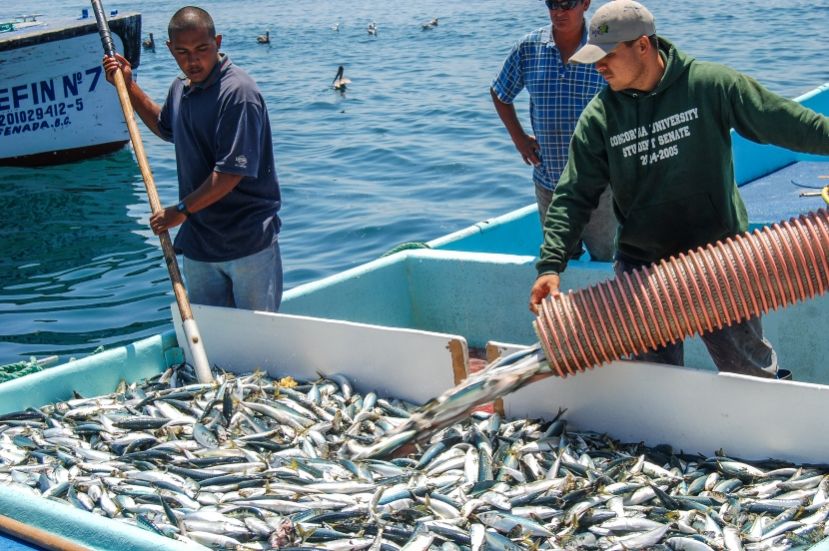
(696, 292)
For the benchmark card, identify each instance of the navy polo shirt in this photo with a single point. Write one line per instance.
(222, 125)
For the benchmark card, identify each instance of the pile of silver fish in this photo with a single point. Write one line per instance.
(251, 462)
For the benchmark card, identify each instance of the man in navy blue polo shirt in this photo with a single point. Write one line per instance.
(558, 94)
(228, 190)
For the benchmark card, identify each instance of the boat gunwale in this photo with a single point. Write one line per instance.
(126, 25)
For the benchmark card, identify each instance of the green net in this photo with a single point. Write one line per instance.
(18, 369)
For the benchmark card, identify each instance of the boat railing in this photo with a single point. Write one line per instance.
(20, 22)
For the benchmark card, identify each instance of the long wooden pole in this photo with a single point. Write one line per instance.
(36, 536)
(191, 330)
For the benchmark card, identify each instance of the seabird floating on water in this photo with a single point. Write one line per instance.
(340, 81)
(430, 25)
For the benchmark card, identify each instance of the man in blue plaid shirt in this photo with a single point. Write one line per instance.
(558, 93)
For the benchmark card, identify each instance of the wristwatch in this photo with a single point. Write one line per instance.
(182, 208)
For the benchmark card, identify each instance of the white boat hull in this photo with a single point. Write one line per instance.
(55, 103)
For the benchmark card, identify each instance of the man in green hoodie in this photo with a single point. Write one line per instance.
(658, 134)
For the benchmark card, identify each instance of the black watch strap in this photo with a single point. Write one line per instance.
(182, 208)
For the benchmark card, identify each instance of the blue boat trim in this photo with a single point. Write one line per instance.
(82, 527)
(91, 376)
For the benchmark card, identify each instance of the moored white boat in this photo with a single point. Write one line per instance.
(55, 104)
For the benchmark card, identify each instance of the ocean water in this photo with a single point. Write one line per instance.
(411, 151)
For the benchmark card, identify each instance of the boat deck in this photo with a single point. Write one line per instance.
(777, 196)
(33, 28)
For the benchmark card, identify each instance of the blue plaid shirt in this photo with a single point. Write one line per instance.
(558, 94)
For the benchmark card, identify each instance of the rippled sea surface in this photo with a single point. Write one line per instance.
(412, 150)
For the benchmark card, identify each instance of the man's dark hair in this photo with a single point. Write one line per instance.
(190, 18)
(653, 39)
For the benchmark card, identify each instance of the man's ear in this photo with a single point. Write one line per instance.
(644, 43)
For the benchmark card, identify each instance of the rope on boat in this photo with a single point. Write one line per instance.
(33, 365)
(697, 292)
(18, 369)
(408, 245)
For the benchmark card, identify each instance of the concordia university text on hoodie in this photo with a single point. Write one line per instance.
(667, 156)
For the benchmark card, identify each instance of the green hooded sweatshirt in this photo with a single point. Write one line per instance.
(667, 156)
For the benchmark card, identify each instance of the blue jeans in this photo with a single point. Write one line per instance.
(252, 282)
(738, 348)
